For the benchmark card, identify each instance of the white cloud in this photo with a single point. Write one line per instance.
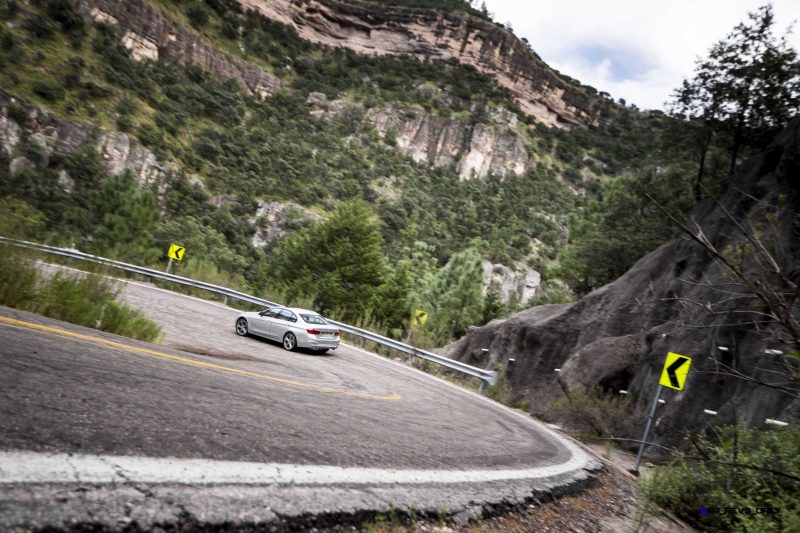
(639, 50)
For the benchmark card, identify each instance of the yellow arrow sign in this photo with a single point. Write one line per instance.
(420, 317)
(176, 252)
(675, 370)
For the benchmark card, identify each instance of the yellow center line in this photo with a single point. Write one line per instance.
(185, 360)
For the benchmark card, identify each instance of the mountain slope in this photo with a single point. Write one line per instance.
(441, 36)
(236, 119)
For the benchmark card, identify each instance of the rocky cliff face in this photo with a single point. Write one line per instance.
(433, 35)
(50, 134)
(472, 149)
(150, 35)
(273, 220)
(513, 285)
(676, 299)
(475, 150)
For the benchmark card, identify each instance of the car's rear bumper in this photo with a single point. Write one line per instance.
(330, 344)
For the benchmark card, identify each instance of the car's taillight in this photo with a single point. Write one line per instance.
(312, 332)
(336, 333)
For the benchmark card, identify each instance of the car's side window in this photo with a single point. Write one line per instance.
(272, 312)
(288, 315)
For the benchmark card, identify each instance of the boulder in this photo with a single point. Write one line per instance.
(671, 301)
(609, 362)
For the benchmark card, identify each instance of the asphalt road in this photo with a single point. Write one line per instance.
(205, 394)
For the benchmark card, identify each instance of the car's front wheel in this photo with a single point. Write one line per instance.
(289, 341)
(241, 326)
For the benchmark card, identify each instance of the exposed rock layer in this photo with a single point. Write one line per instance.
(475, 150)
(513, 285)
(275, 219)
(150, 35)
(119, 151)
(435, 35)
(619, 335)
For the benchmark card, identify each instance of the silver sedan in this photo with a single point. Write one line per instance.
(294, 328)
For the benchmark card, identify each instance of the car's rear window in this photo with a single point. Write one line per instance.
(314, 319)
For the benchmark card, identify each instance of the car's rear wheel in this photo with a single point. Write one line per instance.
(241, 326)
(289, 341)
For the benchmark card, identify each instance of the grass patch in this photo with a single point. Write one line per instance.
(592, 413)
(85, 300)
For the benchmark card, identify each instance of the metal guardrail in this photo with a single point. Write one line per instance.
(487, 376)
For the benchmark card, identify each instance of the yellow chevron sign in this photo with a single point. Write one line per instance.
(176, 252)
(675, 370)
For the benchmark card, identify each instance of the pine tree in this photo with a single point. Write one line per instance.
(454, 295)
(337, 262)
(747, 89)
(121, 217)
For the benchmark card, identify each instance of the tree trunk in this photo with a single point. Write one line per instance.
(737, 143)
(698, 182)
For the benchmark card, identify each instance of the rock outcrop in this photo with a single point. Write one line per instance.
(275, 219)
(512, 284)
(435, 35)
(675, 299)
(48, 134)
(475, 150)
(150, 35)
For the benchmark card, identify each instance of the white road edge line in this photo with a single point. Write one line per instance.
(38, 467)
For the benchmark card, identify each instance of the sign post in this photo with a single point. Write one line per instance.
(175, 252)
(418, 319)
(673, 375)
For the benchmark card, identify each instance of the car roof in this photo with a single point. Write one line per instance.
(298, 310)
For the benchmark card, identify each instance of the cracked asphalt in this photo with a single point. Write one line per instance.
(205, 393)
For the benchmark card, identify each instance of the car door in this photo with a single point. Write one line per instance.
(262, 324)
(283, 323)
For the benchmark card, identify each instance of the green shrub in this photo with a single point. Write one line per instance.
(48, 89)
(84, 300)
(593, 413)
(123, 320)
(197, 16)
(551, 292)
(17, 113)
(40, 27)
(10, 8)
(17, 280)
(741, 468)
(79, 300)
(19, 219)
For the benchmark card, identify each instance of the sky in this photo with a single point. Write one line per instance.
(639, 50)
